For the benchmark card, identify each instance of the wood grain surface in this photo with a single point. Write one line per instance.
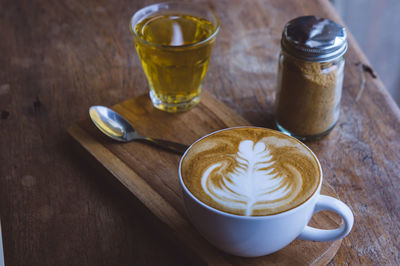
(151, 175)
(60, 57)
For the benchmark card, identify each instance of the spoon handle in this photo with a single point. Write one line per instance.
(169, 145)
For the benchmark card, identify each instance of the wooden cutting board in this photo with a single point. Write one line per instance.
(151, 174)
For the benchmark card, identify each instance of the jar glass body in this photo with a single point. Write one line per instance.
(308, 96)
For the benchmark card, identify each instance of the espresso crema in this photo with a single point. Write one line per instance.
(250, 171)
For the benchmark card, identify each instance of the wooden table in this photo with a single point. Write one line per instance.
(58, 207)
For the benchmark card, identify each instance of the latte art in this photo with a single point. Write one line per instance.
(250, 171)
(253, 183)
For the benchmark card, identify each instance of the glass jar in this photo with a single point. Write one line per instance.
(310, 77)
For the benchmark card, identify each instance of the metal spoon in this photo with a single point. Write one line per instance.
(118, 128)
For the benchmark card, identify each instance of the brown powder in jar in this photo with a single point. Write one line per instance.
(308, 96)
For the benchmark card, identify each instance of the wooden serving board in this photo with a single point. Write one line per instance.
(151, 174)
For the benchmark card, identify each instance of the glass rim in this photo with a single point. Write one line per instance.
(133, 23)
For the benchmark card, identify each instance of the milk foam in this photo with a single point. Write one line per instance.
(250, 171)
(254, 181)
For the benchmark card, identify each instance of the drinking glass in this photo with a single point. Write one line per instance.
(174, 43)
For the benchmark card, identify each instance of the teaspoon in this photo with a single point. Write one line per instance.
(118, 128)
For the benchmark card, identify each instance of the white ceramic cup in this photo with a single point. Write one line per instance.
(253, 236)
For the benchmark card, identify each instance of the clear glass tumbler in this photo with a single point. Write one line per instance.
(174, 42)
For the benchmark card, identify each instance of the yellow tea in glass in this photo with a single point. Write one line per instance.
(174, 43)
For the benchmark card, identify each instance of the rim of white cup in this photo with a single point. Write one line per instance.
(258, 217)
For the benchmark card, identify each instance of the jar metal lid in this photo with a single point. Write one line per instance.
(314, 39)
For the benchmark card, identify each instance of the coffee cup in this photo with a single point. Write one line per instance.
(251, 191)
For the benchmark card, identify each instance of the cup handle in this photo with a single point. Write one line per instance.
(335, 205)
